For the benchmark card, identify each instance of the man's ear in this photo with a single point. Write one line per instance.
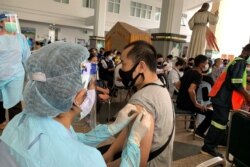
(142, 66)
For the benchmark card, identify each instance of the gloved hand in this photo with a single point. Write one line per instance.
(140, 128)
(123, 118)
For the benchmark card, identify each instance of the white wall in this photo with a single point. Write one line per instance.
(40, 13)
(124, 15)
(71, 34)
(68, 33)
(49, 11)
(42, 29)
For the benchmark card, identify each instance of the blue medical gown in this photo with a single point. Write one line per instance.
(14, 52)
(43, 142)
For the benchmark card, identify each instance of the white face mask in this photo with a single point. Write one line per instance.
(88, 103)
(206, 68)
(110, 57)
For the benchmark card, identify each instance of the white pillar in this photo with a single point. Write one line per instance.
(169, 32)
(171, 13)
(98, 38)
(100, 17)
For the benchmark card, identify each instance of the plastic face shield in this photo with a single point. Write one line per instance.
(9, 23)
(88, 70)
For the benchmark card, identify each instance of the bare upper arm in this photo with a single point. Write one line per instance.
(146, 142)
(192, 88)
(177, 85)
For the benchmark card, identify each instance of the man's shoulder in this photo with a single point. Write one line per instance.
(191, 73)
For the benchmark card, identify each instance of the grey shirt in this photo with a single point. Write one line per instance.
(157, 101)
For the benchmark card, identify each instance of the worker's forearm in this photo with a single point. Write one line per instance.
(118, 144)
(192, 96)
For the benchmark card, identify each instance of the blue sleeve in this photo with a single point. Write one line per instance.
(131, 155)
(25, 49)
(95, 136)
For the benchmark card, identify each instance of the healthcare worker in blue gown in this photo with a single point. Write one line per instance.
(14, 51)
(42, 135)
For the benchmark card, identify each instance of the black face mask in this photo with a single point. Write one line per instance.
(127, 77)
(181, 69)
(159, 64)
(191, 64)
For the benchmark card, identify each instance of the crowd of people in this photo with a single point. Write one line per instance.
(41, 133)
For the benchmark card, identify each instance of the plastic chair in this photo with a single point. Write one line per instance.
(202, 93)
(238, 144)
(189, 116)
(203, 98)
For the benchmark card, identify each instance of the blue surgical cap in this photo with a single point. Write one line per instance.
(55, 78)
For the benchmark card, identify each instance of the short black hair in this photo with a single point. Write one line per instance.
(91, 56)
(170, 57)
(142, 51)
(246, 48)
(180, 62)
(200, 59)
(159, 55)
(190, 59)
(118, 53)
(107, 53)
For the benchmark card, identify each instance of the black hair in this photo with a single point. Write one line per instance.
(180, 62)
(118, 53)
(142, 51)
(38, 43)
(225, 61)
(200, 59)
(91, 56)
(107, 53)
(246, 48)
(159, 55)
(170, 57)
(190, 59)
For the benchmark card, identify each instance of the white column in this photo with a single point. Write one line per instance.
(100, 17)
(171, 16)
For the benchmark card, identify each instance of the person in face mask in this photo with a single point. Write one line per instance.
(217, 68)
(42, 134)
(228, 93)
(106, 68)
(14, 52)
(168, 64)
(186, 99)
(139, 70)
(174, 77)
(189, 65)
